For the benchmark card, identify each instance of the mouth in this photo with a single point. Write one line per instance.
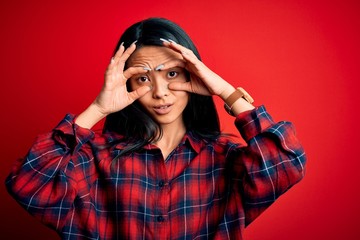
(162, 109)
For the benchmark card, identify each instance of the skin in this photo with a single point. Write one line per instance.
(163, 93)
(162, 104)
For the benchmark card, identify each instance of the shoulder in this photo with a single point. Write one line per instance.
(221, 144)
(108, 140)
(228, 142)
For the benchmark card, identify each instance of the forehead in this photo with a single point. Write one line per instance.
(153, 56)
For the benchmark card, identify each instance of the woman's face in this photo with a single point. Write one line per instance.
(164, 105)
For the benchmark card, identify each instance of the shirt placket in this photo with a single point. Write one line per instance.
(162, 200)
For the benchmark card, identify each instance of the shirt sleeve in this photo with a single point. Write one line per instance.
(270, 164)
(44, 182)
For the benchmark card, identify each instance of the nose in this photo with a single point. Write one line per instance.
(160, 88)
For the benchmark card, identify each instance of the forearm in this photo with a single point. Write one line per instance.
(38, 182)
(47, 179)
(273, 161)
(240, 105)
(89, 117)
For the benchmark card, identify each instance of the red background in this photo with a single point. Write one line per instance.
(299, 58)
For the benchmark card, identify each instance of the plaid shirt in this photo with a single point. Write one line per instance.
(202, 190)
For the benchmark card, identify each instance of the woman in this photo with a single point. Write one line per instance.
(161, 169)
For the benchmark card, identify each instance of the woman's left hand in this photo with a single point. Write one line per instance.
(203, 81)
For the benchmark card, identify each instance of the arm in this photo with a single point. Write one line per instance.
(59, 165)
(45, 182)
(114, 95)
(272, 162)
(204, 81)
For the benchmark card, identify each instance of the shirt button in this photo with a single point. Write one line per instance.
(161, 184)
(160, 219)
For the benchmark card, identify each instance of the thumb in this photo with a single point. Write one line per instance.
(188, 87)
(180, 86)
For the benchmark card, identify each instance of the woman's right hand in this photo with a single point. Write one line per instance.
(114, 95)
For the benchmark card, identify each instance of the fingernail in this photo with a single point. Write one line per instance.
(134, 42)
(158, 68)
(172, 41)
(112, 60)
(121, 44)
(164, 40)
(147, 69)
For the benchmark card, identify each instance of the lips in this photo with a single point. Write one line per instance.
(162, 109)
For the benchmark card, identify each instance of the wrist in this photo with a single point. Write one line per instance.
(238, 101)
(90, 117)
(227, 92)
(97, 111)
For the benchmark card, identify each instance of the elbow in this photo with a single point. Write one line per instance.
(295, 169)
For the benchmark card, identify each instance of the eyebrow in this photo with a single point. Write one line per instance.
(172, 64)
(166, 65)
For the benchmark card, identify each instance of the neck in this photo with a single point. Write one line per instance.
(171, 138)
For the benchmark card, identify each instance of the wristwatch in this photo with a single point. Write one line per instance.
(238, 93)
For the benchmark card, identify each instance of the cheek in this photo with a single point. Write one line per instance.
(145, 100)
(183, 97)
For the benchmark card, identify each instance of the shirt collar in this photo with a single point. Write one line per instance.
(190, 139)
(194, 141)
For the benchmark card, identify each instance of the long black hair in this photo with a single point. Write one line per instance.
(200, 115)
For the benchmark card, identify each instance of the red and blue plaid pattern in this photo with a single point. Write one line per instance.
(70, 181)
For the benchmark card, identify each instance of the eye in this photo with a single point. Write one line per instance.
(172, 74)
(143, 79)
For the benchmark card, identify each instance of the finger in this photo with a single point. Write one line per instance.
(180, 86)
(188, 87)
(185, 52)
(176, 63)
(126, 54)
(115, 59)
(173, 45)
(189, 56)
(119, 52)
(139, 92)
(131, 71)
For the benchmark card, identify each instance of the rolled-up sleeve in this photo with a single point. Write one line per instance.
(272, 161)
(44, 182)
